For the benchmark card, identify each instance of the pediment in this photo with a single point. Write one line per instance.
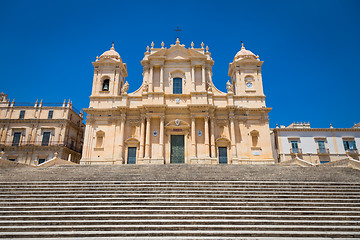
(178, 55)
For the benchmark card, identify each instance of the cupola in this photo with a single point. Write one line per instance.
(111, 54)
(243, 53)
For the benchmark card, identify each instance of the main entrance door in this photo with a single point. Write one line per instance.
(223, 155)
(177, 149)
(131, 155)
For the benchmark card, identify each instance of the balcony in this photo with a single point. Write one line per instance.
(42, 144)
(323, 151)
(352, 152)
(295, 151)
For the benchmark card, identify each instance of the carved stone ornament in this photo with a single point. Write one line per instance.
(221, 122)
(177, 122)
(229, 87)
(134, 122)
(125, 88)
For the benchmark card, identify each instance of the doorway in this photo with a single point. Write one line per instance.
(223, 155)
(177, 149)
(131, 155)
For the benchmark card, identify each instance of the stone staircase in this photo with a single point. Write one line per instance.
(179, 209)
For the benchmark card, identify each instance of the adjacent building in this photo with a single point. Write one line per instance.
(177, 115)
(31, 133)
(315, 145)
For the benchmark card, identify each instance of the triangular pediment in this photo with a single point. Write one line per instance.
(177, 52)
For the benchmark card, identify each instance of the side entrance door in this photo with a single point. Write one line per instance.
(223, 155)
(177, 149)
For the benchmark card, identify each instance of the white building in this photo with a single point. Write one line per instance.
(315, 145)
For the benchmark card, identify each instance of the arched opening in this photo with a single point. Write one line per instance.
(100, 139)
(105, 85)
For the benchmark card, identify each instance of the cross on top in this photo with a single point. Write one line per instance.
(177, 31)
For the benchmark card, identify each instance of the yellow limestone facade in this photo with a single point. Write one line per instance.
(177, 115)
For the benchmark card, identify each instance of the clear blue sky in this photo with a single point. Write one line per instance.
(311, 48)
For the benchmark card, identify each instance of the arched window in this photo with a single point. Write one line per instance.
(177, 85)
(105, 85)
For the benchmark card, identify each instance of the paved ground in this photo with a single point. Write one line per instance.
(180, 172)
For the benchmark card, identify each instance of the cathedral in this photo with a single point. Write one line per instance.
(177, 116)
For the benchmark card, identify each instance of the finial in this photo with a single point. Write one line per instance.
(331, 126)
(257, 57)
(242, 45)
(277, 125)
(147, 49)
(202, 45)
(192, 44)
(97, 58)
(112, 46)
(152, 44)
(207, 48)
(162, 44)
(177, 41)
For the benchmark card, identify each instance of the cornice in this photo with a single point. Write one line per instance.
(316, 129)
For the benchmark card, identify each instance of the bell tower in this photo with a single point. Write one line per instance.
(109, 74)
(245, 73)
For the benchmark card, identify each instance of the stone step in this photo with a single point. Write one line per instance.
(180, 233)
(265, 202)
(177, 227)
(183, 190)
(177, 216)
(182, 211)
(180, 208)
(180, 222)
(60, 199)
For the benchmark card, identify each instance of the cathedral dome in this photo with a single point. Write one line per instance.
(243, 53)
(111, 53)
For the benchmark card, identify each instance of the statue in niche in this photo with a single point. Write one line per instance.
(229, 87)
(125, 88)
(209, 88)
(146, 87)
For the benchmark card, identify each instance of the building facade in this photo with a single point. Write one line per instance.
(315, 145)
(177, 115)
(31, 133)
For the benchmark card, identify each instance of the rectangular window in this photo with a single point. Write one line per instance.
(16, 139)
(50, 115)
(22, 114)
(295, 146)
(41, 160)
(177, 86)
(321, 145)
(46, 139)
(350, 145)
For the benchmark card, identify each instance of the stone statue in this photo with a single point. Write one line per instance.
(209, 88)
(146, 87)
(229, 86)
(125, 88)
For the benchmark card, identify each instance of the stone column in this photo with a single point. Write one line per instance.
(203, 74)
(161, 140)
(142, 136)
(162, 78)
(151, 78)
(193, 137)
(206, 121)
(147, 142)
(232, 134)
(193, 77)
(212, 144)
(121, 140)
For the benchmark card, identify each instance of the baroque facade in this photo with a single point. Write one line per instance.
(177, 115)
(32, 133)
(315, 145)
